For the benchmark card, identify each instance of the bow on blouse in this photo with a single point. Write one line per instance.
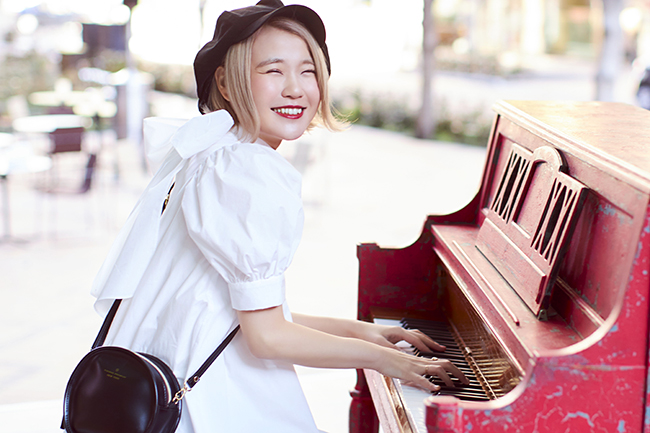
(136, 242)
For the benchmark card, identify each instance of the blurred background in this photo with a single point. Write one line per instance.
(417, 79)
(382, 69)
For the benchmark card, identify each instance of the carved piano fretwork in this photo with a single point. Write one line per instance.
(544, 280)
(527, 227)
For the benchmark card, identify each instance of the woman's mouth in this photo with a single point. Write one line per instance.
(289, 112)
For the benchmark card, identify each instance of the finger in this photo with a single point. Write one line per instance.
(415, 337)
(424, 383)
(450, 367)
(422, 342)
(430, 342)
(440, 372)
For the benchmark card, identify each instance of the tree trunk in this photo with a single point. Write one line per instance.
(611, 51)
(426, 124)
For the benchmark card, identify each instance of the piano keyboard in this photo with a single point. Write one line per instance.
(489, 375)
(460, 357)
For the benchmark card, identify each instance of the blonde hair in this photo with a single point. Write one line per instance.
(237, 81)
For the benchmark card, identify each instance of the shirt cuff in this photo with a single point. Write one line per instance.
(257, 295)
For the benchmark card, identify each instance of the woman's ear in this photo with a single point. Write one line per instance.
(220, 78)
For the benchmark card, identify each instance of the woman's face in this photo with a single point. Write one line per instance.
(284, 85)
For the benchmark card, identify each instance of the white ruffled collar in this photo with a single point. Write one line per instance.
(169, 143)
(188, 137)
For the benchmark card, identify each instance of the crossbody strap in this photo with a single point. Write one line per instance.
(103, 331)
(194, 379)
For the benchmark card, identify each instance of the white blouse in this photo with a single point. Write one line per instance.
(229, 232)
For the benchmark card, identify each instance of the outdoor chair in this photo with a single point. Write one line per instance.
(72, 175)
(66, 140)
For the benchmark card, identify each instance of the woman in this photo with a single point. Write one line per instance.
(216, 256)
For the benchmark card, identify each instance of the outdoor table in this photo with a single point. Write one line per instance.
(47, 123)
(16, 159)
(52, 98)
(90, 102)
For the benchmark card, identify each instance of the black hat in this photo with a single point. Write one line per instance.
(236, 25)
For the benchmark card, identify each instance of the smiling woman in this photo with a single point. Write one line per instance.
(283, 84)
(232, 221)
(283, 62)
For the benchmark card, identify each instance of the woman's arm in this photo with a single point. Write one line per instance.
(379, 334)
(270, 336)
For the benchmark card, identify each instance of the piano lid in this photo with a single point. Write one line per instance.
(613, 140)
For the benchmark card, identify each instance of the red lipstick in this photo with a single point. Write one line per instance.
(290, 111)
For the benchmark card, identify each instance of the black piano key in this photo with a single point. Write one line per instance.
(462, 393)
(449, 355)
(457, 385)
(465, 397)
(442, 355)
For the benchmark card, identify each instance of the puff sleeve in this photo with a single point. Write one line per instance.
(244, 212)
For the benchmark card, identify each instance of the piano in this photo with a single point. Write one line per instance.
(540, 286)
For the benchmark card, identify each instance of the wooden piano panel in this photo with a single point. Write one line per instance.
(600, 278)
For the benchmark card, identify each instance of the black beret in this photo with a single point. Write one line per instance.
(236, 25)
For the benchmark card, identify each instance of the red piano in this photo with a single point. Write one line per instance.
(539, 287)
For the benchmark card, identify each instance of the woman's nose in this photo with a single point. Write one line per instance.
(292, 88)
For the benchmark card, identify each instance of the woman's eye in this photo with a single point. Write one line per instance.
(309, 71)
(273, 71)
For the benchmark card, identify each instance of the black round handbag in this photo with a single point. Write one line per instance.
(116, 390)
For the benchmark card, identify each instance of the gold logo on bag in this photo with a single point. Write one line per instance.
(114, 374)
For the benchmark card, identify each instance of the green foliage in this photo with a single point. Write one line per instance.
(394, 114)
(470, 127)
(24, 75)
(386, 112)
(171, 78)
(470, 63)
(109, 60)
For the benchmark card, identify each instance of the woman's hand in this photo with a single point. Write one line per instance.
(404, 366)
(388, 336)
(414, 369)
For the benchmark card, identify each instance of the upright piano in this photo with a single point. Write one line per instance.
(539, 287)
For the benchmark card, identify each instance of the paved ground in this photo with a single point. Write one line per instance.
(362, 185)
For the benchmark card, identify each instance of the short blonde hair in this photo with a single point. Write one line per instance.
(237, 81)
